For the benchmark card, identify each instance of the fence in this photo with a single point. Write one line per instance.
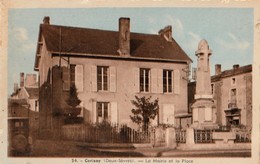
(180, 136)
(203, 136)
(243, 136)
(105, 133)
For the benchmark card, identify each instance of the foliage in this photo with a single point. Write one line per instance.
(73, 99)
(144, 111)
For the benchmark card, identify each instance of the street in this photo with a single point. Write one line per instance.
(58, 148)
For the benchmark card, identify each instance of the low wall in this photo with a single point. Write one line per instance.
(213, 146)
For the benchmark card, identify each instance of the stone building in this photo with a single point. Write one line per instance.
(28, 90)
(24, 101)
(232, 94)
(109, 68)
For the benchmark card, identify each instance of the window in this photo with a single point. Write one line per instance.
(102, 111)
(144, 80)
(212, 88)
(233, 96)
(102, 78)
(73, 76)
(36, 105)
(68, 77)
(167, 81)
(233, 80)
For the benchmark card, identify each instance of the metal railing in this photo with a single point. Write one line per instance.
(180, 135)
(203, 136)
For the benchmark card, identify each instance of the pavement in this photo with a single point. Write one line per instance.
(166, 152)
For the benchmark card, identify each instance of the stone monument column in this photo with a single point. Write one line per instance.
(203, 108)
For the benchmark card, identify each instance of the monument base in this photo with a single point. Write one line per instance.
(204, 114)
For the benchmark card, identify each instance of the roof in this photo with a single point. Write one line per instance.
(17, 101)
(74, 40)
(33, 93)
(232, 72)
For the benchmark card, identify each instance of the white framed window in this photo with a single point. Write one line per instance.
(144, 80)
(102, 78)
(167, 81)
(102, 112)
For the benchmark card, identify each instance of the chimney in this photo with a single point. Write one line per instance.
(15, 87)
(217, 69)
(236, 66)
(30, 80)
(21, 79)
(124, 36)
(166, 33)
(46, 20)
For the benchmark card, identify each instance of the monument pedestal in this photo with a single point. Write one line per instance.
(204, 114)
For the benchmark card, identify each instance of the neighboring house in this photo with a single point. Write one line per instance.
(27, 94)
(109, 68)
(19, 108)
(232, 93)
(28, 90)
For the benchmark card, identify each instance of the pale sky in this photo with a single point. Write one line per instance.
(228, 31)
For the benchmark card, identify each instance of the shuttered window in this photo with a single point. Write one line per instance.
(73, 76)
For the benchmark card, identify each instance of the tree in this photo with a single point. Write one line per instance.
(144, 111)
(73, 99)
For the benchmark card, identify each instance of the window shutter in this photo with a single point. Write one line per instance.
(113, 112)
(94, 112)
(168, 113)
(112, 71)
(154, 80)
(160, 80)
(82, 109)
(94, 78)
(136, 80)
(65, 78)
(79, 76)
(176, 81)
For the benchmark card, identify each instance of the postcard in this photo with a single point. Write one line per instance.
(130, 82)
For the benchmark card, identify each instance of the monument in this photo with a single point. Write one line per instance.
(203, 108)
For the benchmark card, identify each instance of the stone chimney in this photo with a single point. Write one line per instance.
(21, 79)
(30, 80)
(15, 87)
(236, 66)
(124, 36)
(166, 33)
(217, 69)
(46, 20)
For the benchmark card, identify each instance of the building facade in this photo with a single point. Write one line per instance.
(109, 68)
(232, 94)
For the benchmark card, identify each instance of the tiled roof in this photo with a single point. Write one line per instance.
(76, 40)
(232, 72)
(33, 93)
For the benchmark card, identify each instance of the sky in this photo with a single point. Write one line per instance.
(229, 31)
